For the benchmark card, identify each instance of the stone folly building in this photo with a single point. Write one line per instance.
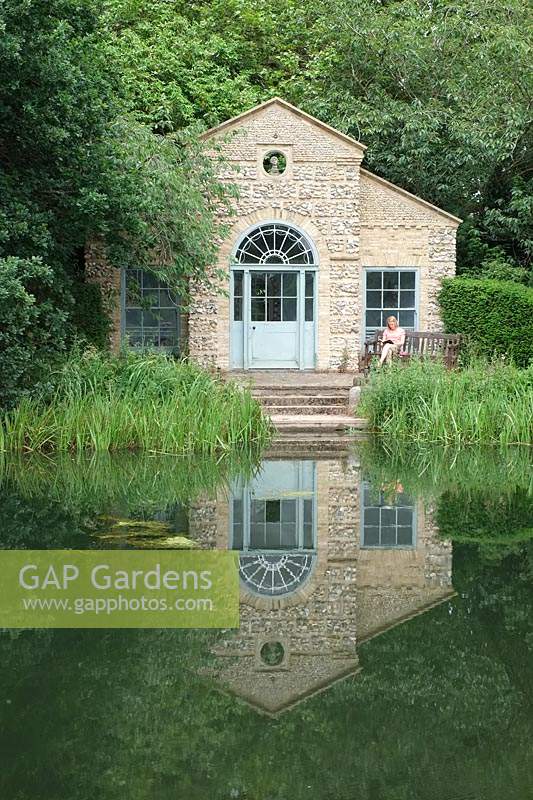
(319, 253)
(326, 562)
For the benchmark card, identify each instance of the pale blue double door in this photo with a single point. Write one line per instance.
(273, 318)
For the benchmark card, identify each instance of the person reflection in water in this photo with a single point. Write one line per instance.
(388, 492)
(393, 339)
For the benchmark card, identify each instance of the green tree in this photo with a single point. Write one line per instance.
(440, 92)
(75, 166)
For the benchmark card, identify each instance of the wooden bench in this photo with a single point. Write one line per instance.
(422, 344)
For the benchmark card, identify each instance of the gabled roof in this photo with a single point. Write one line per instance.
(393, 187)
(333, 132)
(284, 104)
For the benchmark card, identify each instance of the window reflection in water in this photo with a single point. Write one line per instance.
(274, 526)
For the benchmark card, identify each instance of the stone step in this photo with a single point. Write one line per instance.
(301, 399)
(318, 422)
(308, 391)
(306, 409)
(293, 377)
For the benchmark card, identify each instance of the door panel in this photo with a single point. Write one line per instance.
(274, 327)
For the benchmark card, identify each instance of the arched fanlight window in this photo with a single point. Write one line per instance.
(273, 575)
(275, 243)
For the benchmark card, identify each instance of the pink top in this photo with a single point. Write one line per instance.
(397, 335)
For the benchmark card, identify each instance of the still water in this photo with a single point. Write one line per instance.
(385, 648)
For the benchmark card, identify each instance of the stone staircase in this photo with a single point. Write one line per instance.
(318, 402)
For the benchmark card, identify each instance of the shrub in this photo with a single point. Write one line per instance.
(32, 329)
(484, 403)
(88, 316)
(494, 314)
(135, 401)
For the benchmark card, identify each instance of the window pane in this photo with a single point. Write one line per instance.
(407, 299)
(237, 536)
(268, 237)
(273, 535)
(149, 281)
(288, 535)
(288, 510)
(167, 299)
(258, 310)
(390, 299)
(274, 284)
(237, 510)
(371, 516)
(373, 319)
(134, 339)
(390, 280)
(373, 299)
(133, 289)
(274, 309)
(373, 280)
(388, 516)
(257, 535)
(309, 309)
(308, 511)
(237, 309)
(133, 318)
(273, 511)
(237, 283)
(258, 510)
(168, 338)
(388, 536)
(403, 499)
(405, 536)
(308, 536)
(309, 284)
(166, 317)
(150, 297)
(388, 312)
(407, 280)
(407, 319)
(258, 284)
(290, 284)
(150, 320)
(151, 337)
(289, 310)
(370, 536)
(405, 516)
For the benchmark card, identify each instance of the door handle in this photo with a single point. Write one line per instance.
(253, 327)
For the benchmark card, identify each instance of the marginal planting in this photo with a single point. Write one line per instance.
(134, 401)
(484, 403)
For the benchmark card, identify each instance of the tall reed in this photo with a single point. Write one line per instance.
(135, 401)
(483, 403)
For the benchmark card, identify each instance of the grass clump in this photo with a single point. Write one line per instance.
(423, 401)
(135, 401)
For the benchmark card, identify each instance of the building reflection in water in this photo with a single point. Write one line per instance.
(326, 562)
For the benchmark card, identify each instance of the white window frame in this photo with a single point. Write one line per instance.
(366, 485)
(123, 308)
(416, 309)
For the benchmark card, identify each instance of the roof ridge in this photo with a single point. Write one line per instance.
(295, 110)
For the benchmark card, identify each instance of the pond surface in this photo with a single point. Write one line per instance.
(385, 650)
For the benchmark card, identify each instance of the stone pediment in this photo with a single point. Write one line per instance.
(277, 690)
(289, 122)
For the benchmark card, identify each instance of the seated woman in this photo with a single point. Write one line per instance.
(393, 339)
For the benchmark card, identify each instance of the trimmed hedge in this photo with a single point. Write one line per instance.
(495, 315)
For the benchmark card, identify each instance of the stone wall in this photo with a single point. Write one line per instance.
(98, 270)
(318, 192)
(398, 230)
(355, 220)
